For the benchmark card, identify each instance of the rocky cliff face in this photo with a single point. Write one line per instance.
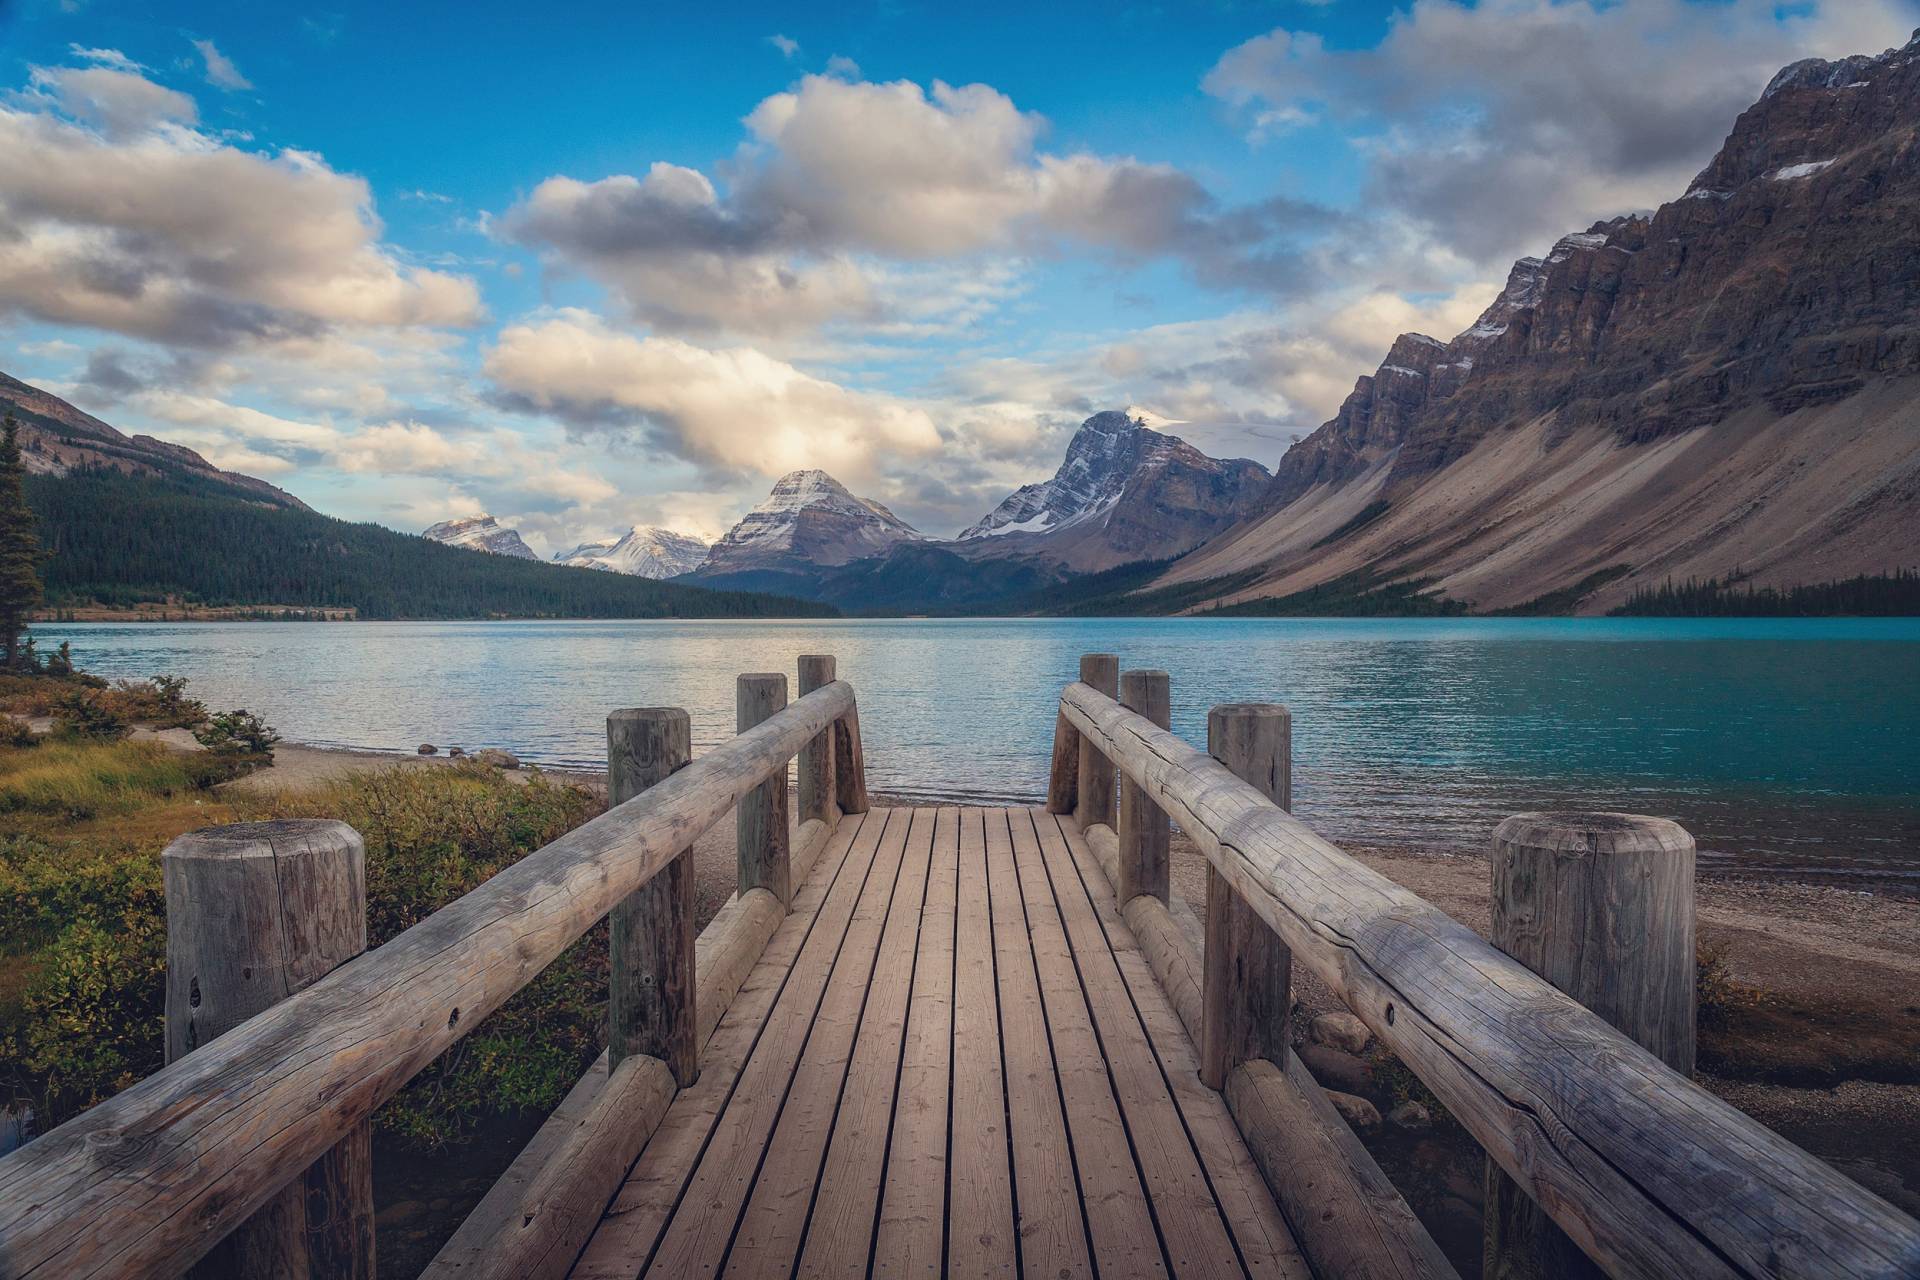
(809, 520)
(56, 438)
(1783, 282)
(1124, 492)
(644, 551)
(481, 533)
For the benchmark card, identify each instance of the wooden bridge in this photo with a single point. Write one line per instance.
(946, 1041)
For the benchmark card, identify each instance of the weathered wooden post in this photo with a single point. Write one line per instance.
(763, 861)
(1142, 830)
(1101, 673)
(1246, 971)
(650, 994)
(1063, 774)
(817, 792)
(1601, 906)
(255, 913)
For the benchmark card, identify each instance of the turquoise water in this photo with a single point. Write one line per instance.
(1787, 745)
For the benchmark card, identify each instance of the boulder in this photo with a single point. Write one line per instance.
(428, 749)
(456, 752)
(1340, 1030)
(1410, 1115)
(1336, 1068)
(498, 759)
(1356, 1111)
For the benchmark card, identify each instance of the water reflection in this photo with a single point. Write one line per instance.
(1781, 743)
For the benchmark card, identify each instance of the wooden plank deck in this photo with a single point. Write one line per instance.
(950, 1060)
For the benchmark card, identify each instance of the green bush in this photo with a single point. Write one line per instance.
(90, 715)
(238, 733)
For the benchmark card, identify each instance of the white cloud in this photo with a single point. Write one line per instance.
(788, 47)
(117, 215)
(734, 410)
(845, 183)
(105, 57)
(221, 73)
(1502, 125)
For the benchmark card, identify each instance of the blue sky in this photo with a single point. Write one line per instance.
(618, 266)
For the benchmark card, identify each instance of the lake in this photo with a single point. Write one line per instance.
(1787, 746)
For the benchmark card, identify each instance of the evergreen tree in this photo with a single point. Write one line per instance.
(19, 546)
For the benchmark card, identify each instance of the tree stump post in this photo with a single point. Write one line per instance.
(651, 983)
(762, 822)
(1142, 830)
(1246, 991)
(1601, 906)
(1063, 774)
(1101, 673)
(817, 791)
(256, 912)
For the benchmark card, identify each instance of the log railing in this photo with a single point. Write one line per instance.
(1646, 1173)
(149, 1181)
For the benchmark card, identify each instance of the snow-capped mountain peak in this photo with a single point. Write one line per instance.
(645, 551)
(481, 533)
(808, 517)
(1103, 453)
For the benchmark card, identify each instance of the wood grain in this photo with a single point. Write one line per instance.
(149, 1180)
(1094, 790)
(761, 820)
(1143, 855)
(814, 768)
(651, 989)
(1648, 1173)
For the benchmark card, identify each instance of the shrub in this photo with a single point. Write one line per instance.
(89, 714)
(238, 733)
(1717, 995)
(79, 779)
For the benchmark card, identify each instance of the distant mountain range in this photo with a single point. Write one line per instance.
(481, 533)
(645, 551)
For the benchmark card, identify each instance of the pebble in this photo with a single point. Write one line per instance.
(428, 749)
(1410, 1115)
(1340, 1030)
(1335, 1068)
(1357, 1112)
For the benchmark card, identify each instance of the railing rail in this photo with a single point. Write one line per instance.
(148, 1181)
(1647, 1173)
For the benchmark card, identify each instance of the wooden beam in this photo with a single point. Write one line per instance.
(1063, 774)
(1145, 838)
(1247, 981)
(1601, 906)
(148, 1181)
(650, 996)
(1094, 789)
(850, 763)
(256, 912)
(762, 826)
(1648, 1173)
(815, 765)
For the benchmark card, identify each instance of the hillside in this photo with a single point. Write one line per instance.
(127, 520)
(1726, 388)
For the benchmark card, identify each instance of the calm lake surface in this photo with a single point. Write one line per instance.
(1787, 746)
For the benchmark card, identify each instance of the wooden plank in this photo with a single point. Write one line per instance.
(1259, 1229)
(910, 1241)
(1119, 1221)
(847, 1173)
(1191, 1226)
(639, 1212)
(1648, 1173)
(700, 1233)
(820, 1176)
(1053, 1237)
(152, 1178)
(1345, 1213)
(980, 1239)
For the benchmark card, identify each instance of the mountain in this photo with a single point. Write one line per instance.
(128, 521)
(643, 551)
(57, 439)
(1726, 387)
(809, 521)
(481, 533)
(1123, 493)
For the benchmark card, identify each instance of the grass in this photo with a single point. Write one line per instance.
(83, 780)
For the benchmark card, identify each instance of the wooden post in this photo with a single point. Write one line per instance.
(1063, 776)
(1101, 673)
(651, 989)
(817, 793)
(850, 762)
(1601, 906)
(1142, 825)
(1246, 972)
(763, 853)
(255, 913)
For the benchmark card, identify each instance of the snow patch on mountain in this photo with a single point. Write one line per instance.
(811, 517)
(644, 551)
(1103, 454)
(481, 533)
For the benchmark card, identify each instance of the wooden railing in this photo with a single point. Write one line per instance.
(1646, 1173)
(149, 1181)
